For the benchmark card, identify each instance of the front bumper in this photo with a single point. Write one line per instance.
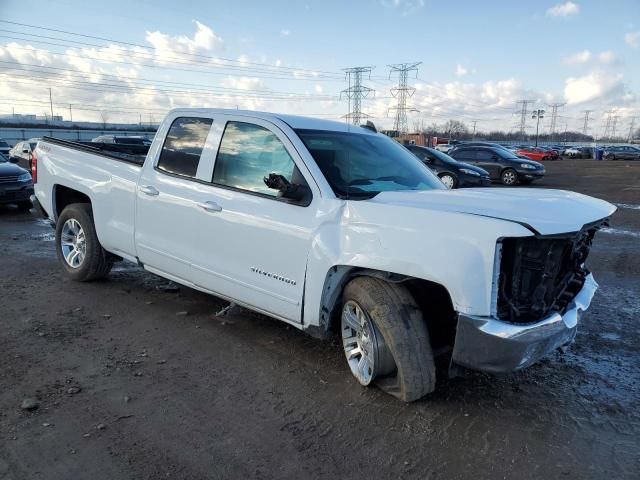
(13, 193)
(472, 181)
(531, 174)
(491, 345)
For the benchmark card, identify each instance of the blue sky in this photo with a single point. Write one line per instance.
(478, 58)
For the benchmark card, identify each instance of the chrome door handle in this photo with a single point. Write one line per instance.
(149, 190)
(210, 206)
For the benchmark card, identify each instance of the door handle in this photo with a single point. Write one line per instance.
(210, 206)
(149, 190)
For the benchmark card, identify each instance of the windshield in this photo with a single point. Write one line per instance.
(362, 165)
(3, 159)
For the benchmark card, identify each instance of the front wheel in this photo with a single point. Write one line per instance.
(509, 177)
(448, 180)
(385, 339)
(77, 245)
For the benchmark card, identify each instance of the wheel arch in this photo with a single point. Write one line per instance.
(64, 196)
(441, 320)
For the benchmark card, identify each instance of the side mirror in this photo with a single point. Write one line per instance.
(24, 150)
(287, 189)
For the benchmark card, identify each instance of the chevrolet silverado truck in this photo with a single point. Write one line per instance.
(334, 229)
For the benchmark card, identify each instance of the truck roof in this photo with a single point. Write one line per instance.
(294, 121)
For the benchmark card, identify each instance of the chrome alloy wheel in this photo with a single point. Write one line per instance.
(73, 243)
(364, 346)
(509, 177)
(447, 180)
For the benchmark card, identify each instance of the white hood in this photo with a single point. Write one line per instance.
(546, 211)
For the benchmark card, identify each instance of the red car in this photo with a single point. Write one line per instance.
(538, 154)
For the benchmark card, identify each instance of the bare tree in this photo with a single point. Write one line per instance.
(104, 116)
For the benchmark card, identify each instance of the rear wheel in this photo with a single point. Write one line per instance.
(448, 180)
(77, 245)
(385, 339)
(509, 177)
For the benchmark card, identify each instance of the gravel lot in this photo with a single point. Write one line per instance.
(128, 385)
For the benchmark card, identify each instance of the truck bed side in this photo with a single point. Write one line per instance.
(107, 179)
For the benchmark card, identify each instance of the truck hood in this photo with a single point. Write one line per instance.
(543, 211)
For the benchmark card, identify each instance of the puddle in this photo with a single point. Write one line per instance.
(627, 206)
(619, 231)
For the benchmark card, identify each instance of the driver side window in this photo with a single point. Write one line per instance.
(248, 153)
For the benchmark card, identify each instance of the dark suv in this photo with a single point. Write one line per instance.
(453, 174)
(502, 164)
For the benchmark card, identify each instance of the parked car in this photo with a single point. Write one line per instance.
(453, 174)
(622, 152)
(573, 152)
(4, 147)
(331, 227)
(538, 154)
(21, 152)
(16, 186)
(502, 164)
(124, 140)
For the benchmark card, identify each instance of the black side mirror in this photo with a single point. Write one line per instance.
(287, 189)
(24, 150)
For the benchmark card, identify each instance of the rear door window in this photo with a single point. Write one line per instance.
(465, 155)
(183, 146)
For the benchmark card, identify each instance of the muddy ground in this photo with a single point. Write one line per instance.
(130, 387)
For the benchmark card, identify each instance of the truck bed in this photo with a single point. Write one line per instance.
(134, 154)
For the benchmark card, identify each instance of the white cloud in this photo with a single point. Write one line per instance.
(461, 71)
(632, 39)
(594, 86)
(318, 88)
(284, 33)
(203, 41)
(607, 57)
(563, 10)
(243, 83)
(405, 7)
(578, 58)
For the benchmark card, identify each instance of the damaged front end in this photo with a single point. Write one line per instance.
(542, 274)
(541, 287)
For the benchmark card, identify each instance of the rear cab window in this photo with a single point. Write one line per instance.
(183, 146)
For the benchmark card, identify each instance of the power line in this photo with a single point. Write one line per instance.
(206, 67)
(523, 116)
(356, 92)
(146, 47)
(630, 136)
(613, 126)
(402, 92)
(554, 117)
(585, 126)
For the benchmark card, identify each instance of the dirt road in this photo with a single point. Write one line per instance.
(135, 380)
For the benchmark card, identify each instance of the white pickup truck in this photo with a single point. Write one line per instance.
(332, 228)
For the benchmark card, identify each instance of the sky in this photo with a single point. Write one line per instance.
(130, 61)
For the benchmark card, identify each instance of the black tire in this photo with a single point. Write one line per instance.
(454, 180)
(97, 261)
(509, 177)
(397, 317)
(25, 206)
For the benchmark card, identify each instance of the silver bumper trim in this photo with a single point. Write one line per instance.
(492, 345)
